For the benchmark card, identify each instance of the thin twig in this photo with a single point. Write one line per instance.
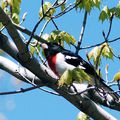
(67, 9)
(21, 90)
(55, 24)
(91, 46)
(110, 27)
(45, 25)
(82, 33)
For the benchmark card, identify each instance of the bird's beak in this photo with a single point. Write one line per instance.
(44, 46)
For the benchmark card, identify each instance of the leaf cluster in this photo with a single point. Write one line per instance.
(107, 13)
(74, 75)
(88, 5)
(46, 10)
(58, 36)
(97, 52)
(12, 8)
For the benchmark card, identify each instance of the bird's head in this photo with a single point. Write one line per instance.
(51, 49)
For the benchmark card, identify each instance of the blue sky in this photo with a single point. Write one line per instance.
(37, 105)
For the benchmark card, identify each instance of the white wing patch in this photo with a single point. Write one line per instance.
(70, 57)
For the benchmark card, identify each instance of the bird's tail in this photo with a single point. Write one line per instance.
(107, 91)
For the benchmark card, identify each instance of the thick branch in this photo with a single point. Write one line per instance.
(12, 31)
(17, 71)
(26, 31)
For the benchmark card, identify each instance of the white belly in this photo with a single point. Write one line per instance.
(61, 65)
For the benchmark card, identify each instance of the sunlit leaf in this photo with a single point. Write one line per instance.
(83, 116)
(67, 37)
(95, 54)
(15, 18)
(80, 76)
(47, 10)
(32, 50)
(62, 4)
(88, 5)
(66, 78)
(107, 51)
(3, 4)
(61, 36)
(104, 14)
(1, 25)
(62, 7)
(117, 77)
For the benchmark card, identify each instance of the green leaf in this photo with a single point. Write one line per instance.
(107, 51)
(95, 54)
(66, 78)
(105, 13)
(15, 18)
(47, 6)
(1, 25)
(116, 77)
(62, 5)
(67, 38)
(103, 16)
(32, 50)
(88, 5)
(80, 75)
(57, 36)
(76, 74)
(3, 4)
(83, 116)
(97, 3)
(118, 5)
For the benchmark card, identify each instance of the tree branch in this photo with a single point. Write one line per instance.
(82, 33)
(12, 31)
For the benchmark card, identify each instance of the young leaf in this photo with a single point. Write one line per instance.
(46, 10)
(62, 3)
(61, 36)
(95, 54)
(117, 77)
(103, 16)
(83, 116)
(105, 13)
(88, 5)
(66, 78)
(67, 38)
(15, 18)
(80, 76)
(107, 51)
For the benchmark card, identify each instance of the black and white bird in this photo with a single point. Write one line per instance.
(60, 59)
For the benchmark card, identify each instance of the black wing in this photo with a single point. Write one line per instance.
(76, 60)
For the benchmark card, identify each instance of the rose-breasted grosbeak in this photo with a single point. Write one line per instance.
(60, 59)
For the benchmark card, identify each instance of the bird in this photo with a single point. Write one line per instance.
(60, 59)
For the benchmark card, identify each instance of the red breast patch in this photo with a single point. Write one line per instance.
(52, 62)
